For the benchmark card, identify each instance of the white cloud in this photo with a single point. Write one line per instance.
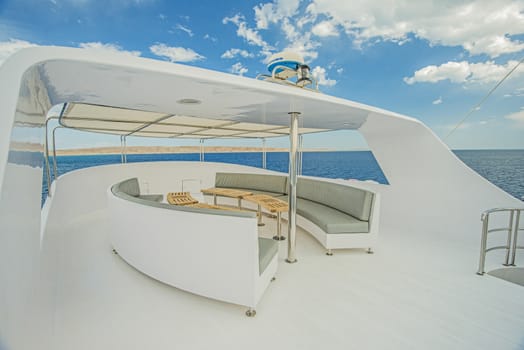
(480, 27)
(264, 15)
(517, 117)
(306, 48)
(184, 29)
(464, 72)
(274, 12)
(340, 70)
(7, 48)
(517, 93)
(289, 30)
(238, 68)
(209, 37)
(232, 53)
(162, 17)
(325, 28)
(309, 17)
(437, 101)
(319, 74)
(108, 48)
(250, 35)
(175, 54)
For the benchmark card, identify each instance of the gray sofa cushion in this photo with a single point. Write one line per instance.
(350, 200)
(252, 182)
(267, 249)
(115, 189)
(330, 220)
(130, 187)
(152, 197)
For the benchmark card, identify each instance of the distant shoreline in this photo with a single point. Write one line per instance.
(175, 150)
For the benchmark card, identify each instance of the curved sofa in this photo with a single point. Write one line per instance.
(338, 216)
(213, 253)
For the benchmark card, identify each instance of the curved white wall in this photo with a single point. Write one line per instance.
(210, 255)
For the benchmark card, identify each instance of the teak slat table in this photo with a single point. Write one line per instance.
(180, 198)
(226, 192)
(274, 205)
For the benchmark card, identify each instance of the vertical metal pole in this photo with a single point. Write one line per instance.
(202, 150)
(125, 149)
(510, 234)
(55, 171)
(515, 236)
(292, 214)
(484, 238)
(264, 159)
(121, 149)
(300, 153)
(48, 170)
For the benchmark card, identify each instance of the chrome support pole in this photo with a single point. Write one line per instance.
(55, 168)
(122, 149)
(483, 240)
(202, 150)
(259, 212)
(125, 149)
(278, 236)
(508, 241)
(300, 153)
(292, 214)
(47, 167)
(515, 237)
(264, 155)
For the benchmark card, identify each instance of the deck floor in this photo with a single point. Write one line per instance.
(404, 296)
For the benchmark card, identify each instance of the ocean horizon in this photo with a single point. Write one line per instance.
(504, 168)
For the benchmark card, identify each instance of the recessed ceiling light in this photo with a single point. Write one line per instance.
(189, 101)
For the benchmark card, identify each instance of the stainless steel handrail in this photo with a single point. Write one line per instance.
(511, 241)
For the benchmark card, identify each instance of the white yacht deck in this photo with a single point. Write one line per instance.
(417, 291)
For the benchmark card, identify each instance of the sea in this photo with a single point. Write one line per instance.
(504, 168)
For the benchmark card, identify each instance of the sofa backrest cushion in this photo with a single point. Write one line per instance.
(259, 182)
(118, 192)
(353, 201)
(130, 187)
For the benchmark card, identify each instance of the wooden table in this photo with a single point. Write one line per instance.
(274, 205)
(212, 206)
(227, 192)
(180, 198)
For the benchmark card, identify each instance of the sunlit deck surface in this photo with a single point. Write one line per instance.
(404, 296)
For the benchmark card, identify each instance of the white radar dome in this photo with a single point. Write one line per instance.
(283, 60)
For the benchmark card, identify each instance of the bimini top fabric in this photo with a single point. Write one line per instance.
(131, 122)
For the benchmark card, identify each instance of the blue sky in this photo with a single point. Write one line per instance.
(432, 60)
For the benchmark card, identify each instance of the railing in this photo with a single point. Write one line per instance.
(511, 241)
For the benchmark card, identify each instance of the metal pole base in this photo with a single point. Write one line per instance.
(329, 252)
(115, 252)
(261, 224)
(509, 265)
(279, 238)
(370, 251)
(251, 313)
(480, 273)
(273, 279)
(291, 261)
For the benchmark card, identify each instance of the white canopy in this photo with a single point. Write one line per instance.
(131, 122)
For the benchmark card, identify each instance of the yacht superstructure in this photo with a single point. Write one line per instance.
(61, 286)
